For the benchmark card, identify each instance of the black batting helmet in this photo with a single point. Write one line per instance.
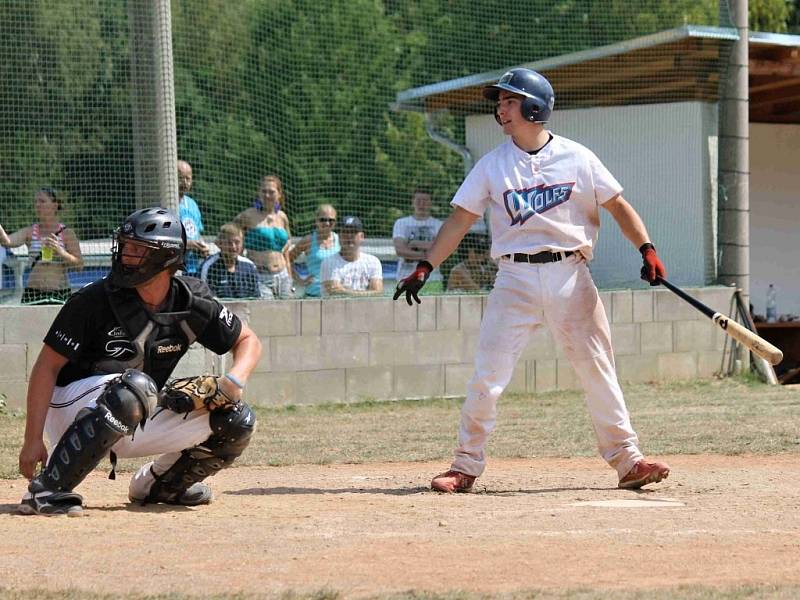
(157, 229)
(538, 97)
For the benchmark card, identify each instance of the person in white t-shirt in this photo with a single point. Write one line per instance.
(351, 272)
(413, 236)
(544, 193)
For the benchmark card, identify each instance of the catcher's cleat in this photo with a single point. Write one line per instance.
(453, 481)
(644, 472)
(38, 500)
(195, 495)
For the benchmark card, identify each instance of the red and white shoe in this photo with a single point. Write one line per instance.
(453, 481)
(644, 472)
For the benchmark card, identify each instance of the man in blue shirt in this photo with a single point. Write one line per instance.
(228, 273)
(189, 213)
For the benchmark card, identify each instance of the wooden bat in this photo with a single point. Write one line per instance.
(741, 334)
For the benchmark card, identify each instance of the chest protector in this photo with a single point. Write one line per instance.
(153, 333)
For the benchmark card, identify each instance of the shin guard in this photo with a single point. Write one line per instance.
(232, 430)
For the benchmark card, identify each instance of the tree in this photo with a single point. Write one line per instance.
(769, 15)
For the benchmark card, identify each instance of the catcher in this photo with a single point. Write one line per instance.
(94, 389)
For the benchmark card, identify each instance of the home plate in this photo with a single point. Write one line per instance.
(643, 503)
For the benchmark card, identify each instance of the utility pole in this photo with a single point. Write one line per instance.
(734, 160)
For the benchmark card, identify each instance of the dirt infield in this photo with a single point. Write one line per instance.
(373, 529)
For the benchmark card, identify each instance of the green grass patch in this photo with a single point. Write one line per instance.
(731, 416)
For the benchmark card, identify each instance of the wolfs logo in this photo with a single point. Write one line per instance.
(521, 205)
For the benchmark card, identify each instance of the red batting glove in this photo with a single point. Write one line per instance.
(412, 284)
(652, 268)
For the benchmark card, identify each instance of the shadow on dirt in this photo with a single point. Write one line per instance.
(280, 491)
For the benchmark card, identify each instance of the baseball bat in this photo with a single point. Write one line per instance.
(741, 334)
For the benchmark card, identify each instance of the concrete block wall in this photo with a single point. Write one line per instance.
(345, 350)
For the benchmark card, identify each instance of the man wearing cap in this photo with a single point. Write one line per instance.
(351, 272)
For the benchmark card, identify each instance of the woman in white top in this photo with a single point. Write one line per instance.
(53, 249)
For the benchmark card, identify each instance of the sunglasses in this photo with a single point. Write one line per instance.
(326, 220)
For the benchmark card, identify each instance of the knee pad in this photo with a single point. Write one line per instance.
(231, 433)
(232, 430)
(130, 399)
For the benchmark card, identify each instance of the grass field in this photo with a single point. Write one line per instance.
(731, 416)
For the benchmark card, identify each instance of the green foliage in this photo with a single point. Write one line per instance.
(297, 88)
(769, 15)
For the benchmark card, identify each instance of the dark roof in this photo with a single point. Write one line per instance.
(676, 65)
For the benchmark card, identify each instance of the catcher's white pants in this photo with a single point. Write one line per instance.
(165, 433)
(563, 296)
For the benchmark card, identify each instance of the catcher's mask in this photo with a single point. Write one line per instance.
(149, 241)
(537, 93)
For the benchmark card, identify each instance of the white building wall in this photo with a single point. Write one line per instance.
(662, 155)
(775, 215)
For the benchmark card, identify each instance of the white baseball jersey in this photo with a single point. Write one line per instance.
(410, 229)
(544, 201)
(353, 275)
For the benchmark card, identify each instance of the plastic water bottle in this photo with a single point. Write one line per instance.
(772, 304)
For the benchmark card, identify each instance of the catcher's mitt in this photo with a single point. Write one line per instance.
(191, 393)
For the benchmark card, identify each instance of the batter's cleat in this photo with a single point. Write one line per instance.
(644, 472)
(38, 500)
(452, 481)
(195, 495)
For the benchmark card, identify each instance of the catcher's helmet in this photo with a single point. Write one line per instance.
(158, 230)
(538, 97)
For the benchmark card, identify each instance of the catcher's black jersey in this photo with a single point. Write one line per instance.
(88, 331)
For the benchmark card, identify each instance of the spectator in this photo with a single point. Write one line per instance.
(413, 236)
(7, 282)
(52, 246)
(228, 273)
(317, 246)
(189, 214)
(352, 272)
(266, 239)
(477, 270)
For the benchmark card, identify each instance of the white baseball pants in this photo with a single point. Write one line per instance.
(563, 296)
(166, 433)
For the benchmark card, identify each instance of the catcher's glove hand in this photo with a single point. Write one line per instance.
(191, 393)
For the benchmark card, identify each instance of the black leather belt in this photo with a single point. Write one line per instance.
(540, 257)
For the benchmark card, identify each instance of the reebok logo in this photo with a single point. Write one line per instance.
(168, 349)
(116, 423)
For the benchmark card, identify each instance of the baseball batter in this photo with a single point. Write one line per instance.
(113, 345)
(543, 192)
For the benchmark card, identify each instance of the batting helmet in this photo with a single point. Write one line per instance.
(538, 97)
(158, 230)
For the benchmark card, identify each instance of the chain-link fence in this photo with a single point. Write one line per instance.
(300, 90)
